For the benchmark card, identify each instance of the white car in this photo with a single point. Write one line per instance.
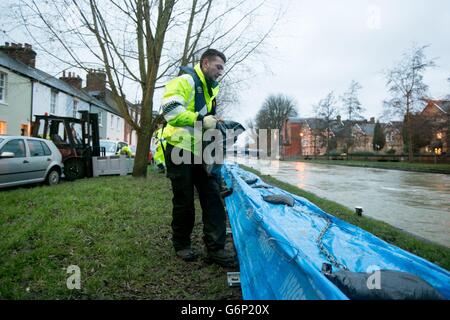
(26, 160)
(112, 147)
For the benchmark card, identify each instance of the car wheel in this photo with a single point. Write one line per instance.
(53, 177)
(74, 169)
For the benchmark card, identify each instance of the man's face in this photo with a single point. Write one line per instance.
(214, 68)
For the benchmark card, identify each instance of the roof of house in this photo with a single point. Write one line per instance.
(444, 105)
(368, 128)
(108, 97)
(295, 120)
(25, 70)
(393, 125)
(318, 123)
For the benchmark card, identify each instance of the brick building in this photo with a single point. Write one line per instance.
(306, 137)
(438, 111)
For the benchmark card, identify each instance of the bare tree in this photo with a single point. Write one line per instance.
(137, 43)
(327, 110)
(251, 130)
(251, 133)
(274, 111)
(228, 97)
(351, 105)
(405, 83)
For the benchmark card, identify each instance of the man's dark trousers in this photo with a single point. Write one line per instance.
(183, 178)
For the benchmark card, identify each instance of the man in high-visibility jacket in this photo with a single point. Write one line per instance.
(188, 101)
(126, 150)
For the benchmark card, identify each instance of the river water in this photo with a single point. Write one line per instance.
(416, 202)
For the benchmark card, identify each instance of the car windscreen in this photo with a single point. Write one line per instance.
(109, 146)
(1, 140)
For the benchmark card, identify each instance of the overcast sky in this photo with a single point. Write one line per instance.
(322, 45)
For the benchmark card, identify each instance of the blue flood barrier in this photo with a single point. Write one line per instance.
(281, 249)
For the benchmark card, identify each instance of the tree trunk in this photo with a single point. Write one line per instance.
(144, 136)
(409, 130)
(328, 144)
(143, 148)
(410, 142)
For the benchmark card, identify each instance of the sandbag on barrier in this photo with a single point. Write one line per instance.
(280, 199)
(251, 181)
(383, 285)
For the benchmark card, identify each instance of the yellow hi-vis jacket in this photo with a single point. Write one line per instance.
(178, 108)
(125, 151)
(160, 143)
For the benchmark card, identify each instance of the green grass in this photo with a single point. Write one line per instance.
(116, 229)
(406, 166)
(435, 253)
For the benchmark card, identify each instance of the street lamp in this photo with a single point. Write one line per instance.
(301, 143)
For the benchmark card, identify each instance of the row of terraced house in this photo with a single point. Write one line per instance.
(306, 137)
(26, 91)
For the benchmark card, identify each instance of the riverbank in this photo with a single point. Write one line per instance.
(435, 253)
(404, 166)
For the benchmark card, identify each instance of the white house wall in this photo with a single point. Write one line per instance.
(64, 102)
(133, 141)
(102, 114)
(16, 109)
(115, 130)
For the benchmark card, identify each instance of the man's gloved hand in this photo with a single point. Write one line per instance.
(209, 122)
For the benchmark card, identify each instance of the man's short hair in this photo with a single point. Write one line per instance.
(210, 53)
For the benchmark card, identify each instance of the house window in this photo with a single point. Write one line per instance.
(100, 119)
(75, 108)
(117, 123)
(3, 85)
(2, 127)
(53, 100)
(112, 122)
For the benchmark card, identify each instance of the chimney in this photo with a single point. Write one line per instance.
(24, 53)
(372, 119)
(72, 79)
(96, 80)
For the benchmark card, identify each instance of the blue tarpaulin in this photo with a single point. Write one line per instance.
(281, 248)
